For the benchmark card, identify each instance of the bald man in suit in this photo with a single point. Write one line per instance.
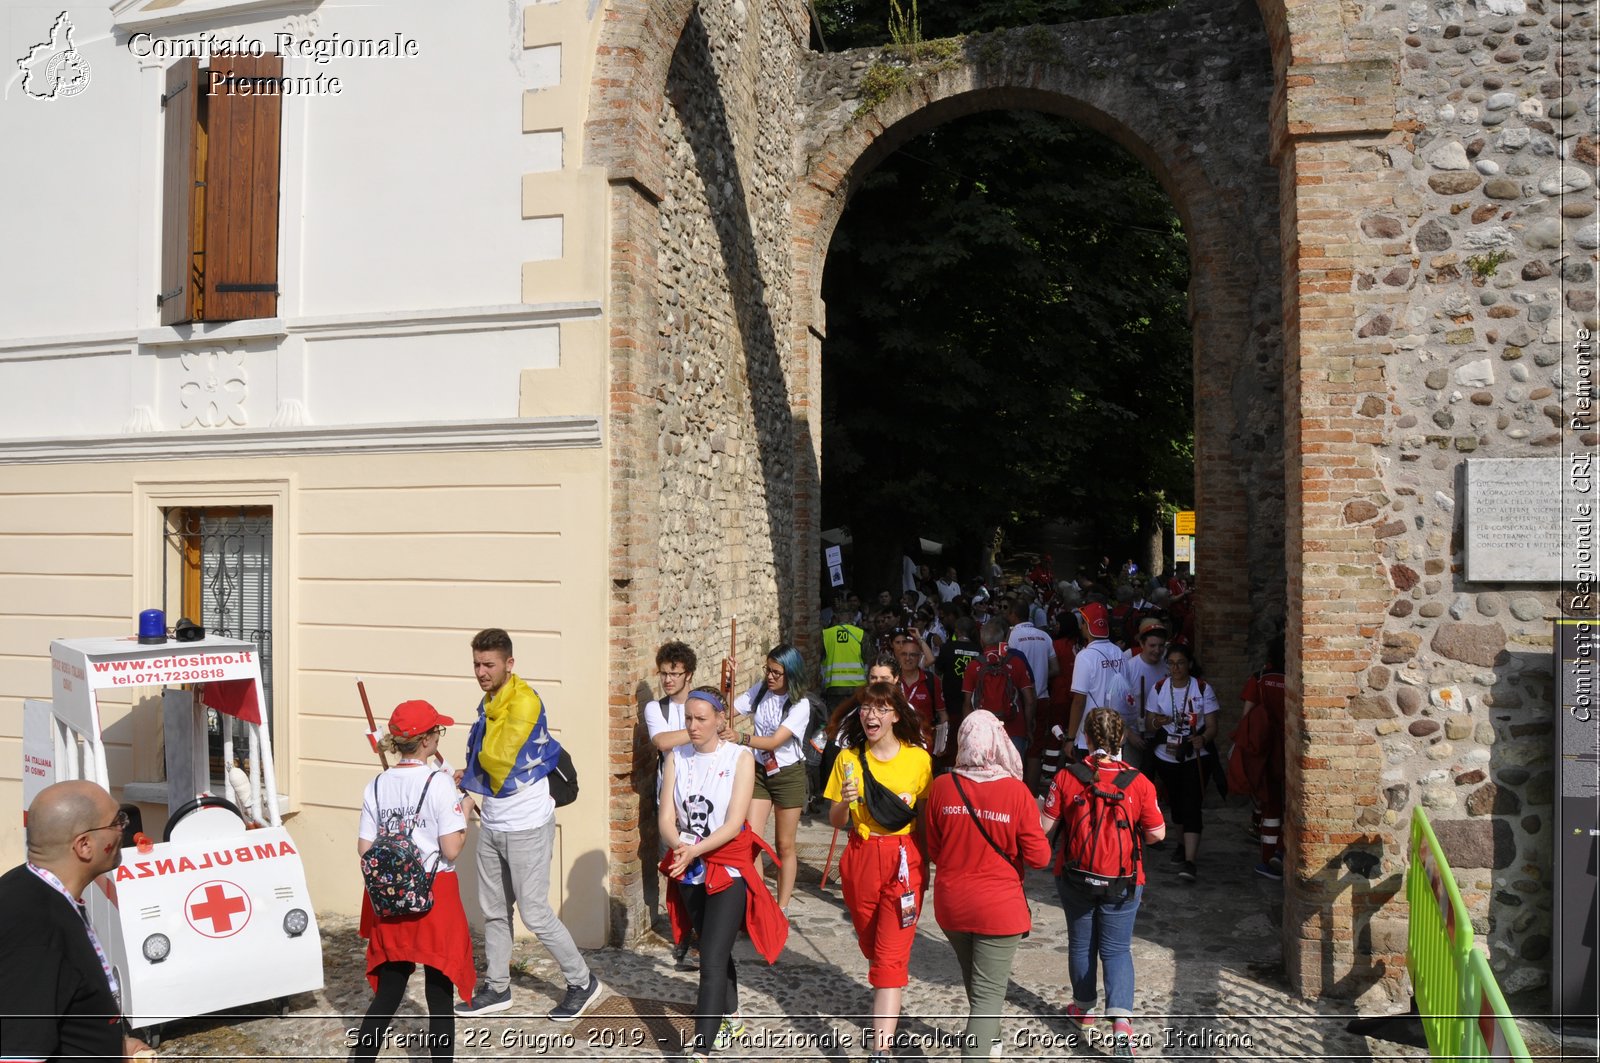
(54, 978)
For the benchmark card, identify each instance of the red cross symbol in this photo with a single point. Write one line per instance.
(221, 902)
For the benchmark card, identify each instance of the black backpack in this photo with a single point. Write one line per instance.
(1102, 841)
(398, 880)
(563, 780)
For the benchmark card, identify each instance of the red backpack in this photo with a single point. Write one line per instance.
(1102, 841)
(995, 690)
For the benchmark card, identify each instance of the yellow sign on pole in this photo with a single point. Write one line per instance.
(1183, 549)
(1184, 523)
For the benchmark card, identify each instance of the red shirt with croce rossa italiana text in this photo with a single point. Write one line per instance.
(978, 891)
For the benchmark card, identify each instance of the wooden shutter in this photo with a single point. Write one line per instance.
(241, 203)
(179, 189)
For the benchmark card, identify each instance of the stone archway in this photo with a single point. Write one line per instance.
(1332, 104)
(1200, 128)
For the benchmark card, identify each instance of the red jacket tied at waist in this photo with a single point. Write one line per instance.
(763, 920)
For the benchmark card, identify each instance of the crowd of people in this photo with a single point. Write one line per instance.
(66, 997)
(983, 733)
(1056, 724)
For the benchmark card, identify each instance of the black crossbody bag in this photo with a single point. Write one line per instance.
(883, 804)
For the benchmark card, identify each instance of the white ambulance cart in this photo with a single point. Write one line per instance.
(215, 914)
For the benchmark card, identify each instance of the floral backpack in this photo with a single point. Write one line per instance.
(399, 880)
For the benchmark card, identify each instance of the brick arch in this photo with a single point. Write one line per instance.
(639, 37)
(1226, 196)
(847, 157)
(627, 91)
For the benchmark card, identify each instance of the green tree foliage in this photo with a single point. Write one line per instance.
(1007, 338)
(857, 23)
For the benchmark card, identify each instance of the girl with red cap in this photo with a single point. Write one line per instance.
(417, 800)
(877, 786)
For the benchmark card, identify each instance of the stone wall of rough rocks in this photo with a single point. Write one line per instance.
(725, 449)
(1480, 270)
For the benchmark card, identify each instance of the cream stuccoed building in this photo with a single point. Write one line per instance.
(304, 338)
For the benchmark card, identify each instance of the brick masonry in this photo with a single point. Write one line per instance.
(1420, 181)
(690, 114)
(1437, 169)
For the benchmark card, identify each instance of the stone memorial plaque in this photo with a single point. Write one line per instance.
(1514, 520)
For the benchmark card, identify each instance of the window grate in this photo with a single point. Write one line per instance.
(227, 576)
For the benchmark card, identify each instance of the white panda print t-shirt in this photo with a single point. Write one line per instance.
(702, 789)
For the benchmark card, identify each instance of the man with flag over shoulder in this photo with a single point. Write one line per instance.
(510, 755)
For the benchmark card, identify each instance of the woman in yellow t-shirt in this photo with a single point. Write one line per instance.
(877, 786)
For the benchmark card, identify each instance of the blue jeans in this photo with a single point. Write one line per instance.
(1103, 931)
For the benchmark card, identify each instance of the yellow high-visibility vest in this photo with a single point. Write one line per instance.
(843, 656)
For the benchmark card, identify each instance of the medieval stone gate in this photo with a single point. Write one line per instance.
(1383, 207)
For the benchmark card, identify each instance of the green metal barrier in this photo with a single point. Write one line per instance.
(1463, 1012)
(1489, 1032)
(1438, 938)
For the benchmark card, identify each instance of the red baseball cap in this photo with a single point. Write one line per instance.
(1094, 615)
(413, 718)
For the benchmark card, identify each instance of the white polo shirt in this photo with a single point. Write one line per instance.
(1038, 649)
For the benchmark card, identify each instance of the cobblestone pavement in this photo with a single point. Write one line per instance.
(1209, 986)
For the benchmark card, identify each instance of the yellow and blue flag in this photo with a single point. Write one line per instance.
(510, 745)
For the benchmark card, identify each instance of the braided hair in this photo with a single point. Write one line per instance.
(1104, 730)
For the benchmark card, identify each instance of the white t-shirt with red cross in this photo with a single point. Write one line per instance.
(1188, 706)
(1142, 677)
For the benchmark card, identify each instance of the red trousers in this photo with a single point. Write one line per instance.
(869, 870)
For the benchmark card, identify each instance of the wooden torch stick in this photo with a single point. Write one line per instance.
(372, 724)
(728, 665)
(829, 861)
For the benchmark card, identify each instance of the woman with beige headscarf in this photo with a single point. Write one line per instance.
(982, 825)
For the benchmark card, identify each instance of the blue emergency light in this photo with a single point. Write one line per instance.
(152, 627)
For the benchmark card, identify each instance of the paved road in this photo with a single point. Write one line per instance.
(1210, 986)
